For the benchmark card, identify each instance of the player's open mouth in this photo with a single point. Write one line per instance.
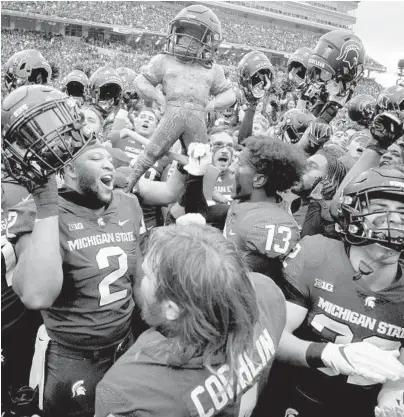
(145, 126)
(223, 159)
(107, 180)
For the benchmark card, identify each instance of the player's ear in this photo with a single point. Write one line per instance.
(70, 170)
(259, 180)
(171, 310)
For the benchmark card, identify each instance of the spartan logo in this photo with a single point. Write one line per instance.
(78, 389)
(370, 302)
(291, 412)
(350, 53)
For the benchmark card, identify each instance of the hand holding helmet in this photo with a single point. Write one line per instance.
(319, 133)
(255, 75)
(387, 127)
(42, 132)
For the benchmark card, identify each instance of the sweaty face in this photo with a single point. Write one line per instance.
(243, 178)
(145, 123)
(393, 156)
(315, 170)
(152, 312)
(95, 174)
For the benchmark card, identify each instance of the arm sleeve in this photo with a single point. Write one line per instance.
(246, 125)
(297, 275)
(193, 199)
(220, 83)
(154, 70)
(312, 221)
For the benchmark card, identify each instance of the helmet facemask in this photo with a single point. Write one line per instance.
(297, 73)
(360, 230)
(107, 97)
(189, 41)
(260, 83)
(41, 142)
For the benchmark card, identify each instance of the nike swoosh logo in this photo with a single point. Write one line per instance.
(26, 198)
(122, 223)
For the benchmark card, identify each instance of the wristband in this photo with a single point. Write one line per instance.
(313, 355)
(48, 210)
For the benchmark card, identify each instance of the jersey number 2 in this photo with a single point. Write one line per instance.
(102, 261)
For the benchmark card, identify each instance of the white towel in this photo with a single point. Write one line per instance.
(37, 374)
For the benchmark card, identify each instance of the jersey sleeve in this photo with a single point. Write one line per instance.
(154, 70)
(21, 220)
(220, 83)
(298, 268)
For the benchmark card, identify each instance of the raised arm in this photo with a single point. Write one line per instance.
(38, 276)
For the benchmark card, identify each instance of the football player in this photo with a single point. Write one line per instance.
(78, 254)
(258, 222)
(345, 303)
(25, 68)
(215, 331)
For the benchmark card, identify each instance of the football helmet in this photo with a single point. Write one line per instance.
(76, 85)
(297, 66)
(254, 75)
(391, 98)
(105, 89)
(362, 109)
(293, 124)
(194, 35)
(41, 131)
(338, 58)
(25, 67)
(128, 78)
(355, 208)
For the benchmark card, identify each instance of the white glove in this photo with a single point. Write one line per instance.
(363, 359)
(397, 411)
(191, 218)
(199, 158)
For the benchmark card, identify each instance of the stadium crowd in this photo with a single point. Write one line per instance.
(186, 233)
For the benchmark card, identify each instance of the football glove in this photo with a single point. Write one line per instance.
(199, 158)
(387, 127)
(363, 359)
(319, 133)
(396, 411)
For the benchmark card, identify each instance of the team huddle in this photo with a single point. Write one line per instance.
(167, 251)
